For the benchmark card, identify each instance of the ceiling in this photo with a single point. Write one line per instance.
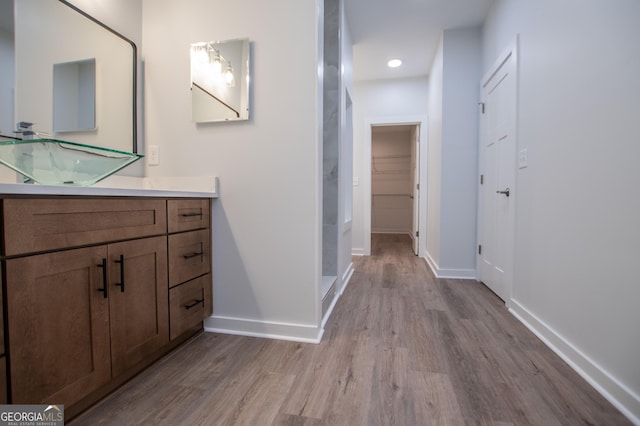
(386, 29)
(405, 29)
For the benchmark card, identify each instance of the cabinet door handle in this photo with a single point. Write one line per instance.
(196, 303)
(105, 287)
(190, 214)
(190, 255)
(121, 283)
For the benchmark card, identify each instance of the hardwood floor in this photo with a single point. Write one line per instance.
(401, 348)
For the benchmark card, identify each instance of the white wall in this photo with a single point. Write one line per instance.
(434, 158)
(266, 234)
(379, 101)
(453, 154)
(7, 72)
(7, 77)
(577, 230)
(124, 16)
(345, 265)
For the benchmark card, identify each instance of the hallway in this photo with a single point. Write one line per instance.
(401, 348)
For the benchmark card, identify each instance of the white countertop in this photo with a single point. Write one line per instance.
(123, 186)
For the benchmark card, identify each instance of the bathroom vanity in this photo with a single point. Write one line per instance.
(97, 284)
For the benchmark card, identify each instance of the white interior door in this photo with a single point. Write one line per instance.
(414, 191)
(498, 169)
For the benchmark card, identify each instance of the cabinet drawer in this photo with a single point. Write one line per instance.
(32, 225)
(189, 256)
(185, 215)
(189, 304)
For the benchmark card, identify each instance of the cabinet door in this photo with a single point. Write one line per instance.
(139, 308)
(59, 326)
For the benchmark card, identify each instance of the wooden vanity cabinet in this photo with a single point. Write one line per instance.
(83, 317)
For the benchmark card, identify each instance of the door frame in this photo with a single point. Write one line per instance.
(508, 54)
(422, 121)
(415, 191)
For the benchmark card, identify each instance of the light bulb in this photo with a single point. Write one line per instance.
(200, 53)
(217, 63)
(228, 76)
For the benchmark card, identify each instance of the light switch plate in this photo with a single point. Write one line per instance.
(523, 159)
(356, 181)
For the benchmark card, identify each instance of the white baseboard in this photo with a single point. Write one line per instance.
(461, 274)
(618, 394)
(327, 314)
(276, 330)
(264, 329)
(357, 252)
(346, 277)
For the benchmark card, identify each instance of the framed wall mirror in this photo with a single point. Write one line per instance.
(220, 80)
(75, 78)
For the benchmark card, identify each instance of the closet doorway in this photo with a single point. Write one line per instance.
(420, 123)
(394, 180)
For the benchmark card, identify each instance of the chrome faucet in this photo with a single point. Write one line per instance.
(24, 128)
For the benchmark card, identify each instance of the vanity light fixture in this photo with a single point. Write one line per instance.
(205, 53)
(394, 63)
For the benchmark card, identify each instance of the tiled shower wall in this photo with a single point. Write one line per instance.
(331, 138)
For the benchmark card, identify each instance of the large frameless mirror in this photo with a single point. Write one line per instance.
(75, 78)
(220, 81)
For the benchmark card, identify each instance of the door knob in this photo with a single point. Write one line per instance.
(505, 192)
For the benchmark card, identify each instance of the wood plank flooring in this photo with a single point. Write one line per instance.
(401, 348)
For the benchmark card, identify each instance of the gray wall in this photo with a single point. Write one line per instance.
(453, 154)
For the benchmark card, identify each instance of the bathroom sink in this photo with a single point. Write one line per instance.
(57, 162)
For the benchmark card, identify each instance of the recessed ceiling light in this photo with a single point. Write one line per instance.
(394, 63)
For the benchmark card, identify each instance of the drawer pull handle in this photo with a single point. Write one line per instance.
(190, 255)
(121, 283)
(190, 214)
(105, 288)
(194, 304)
